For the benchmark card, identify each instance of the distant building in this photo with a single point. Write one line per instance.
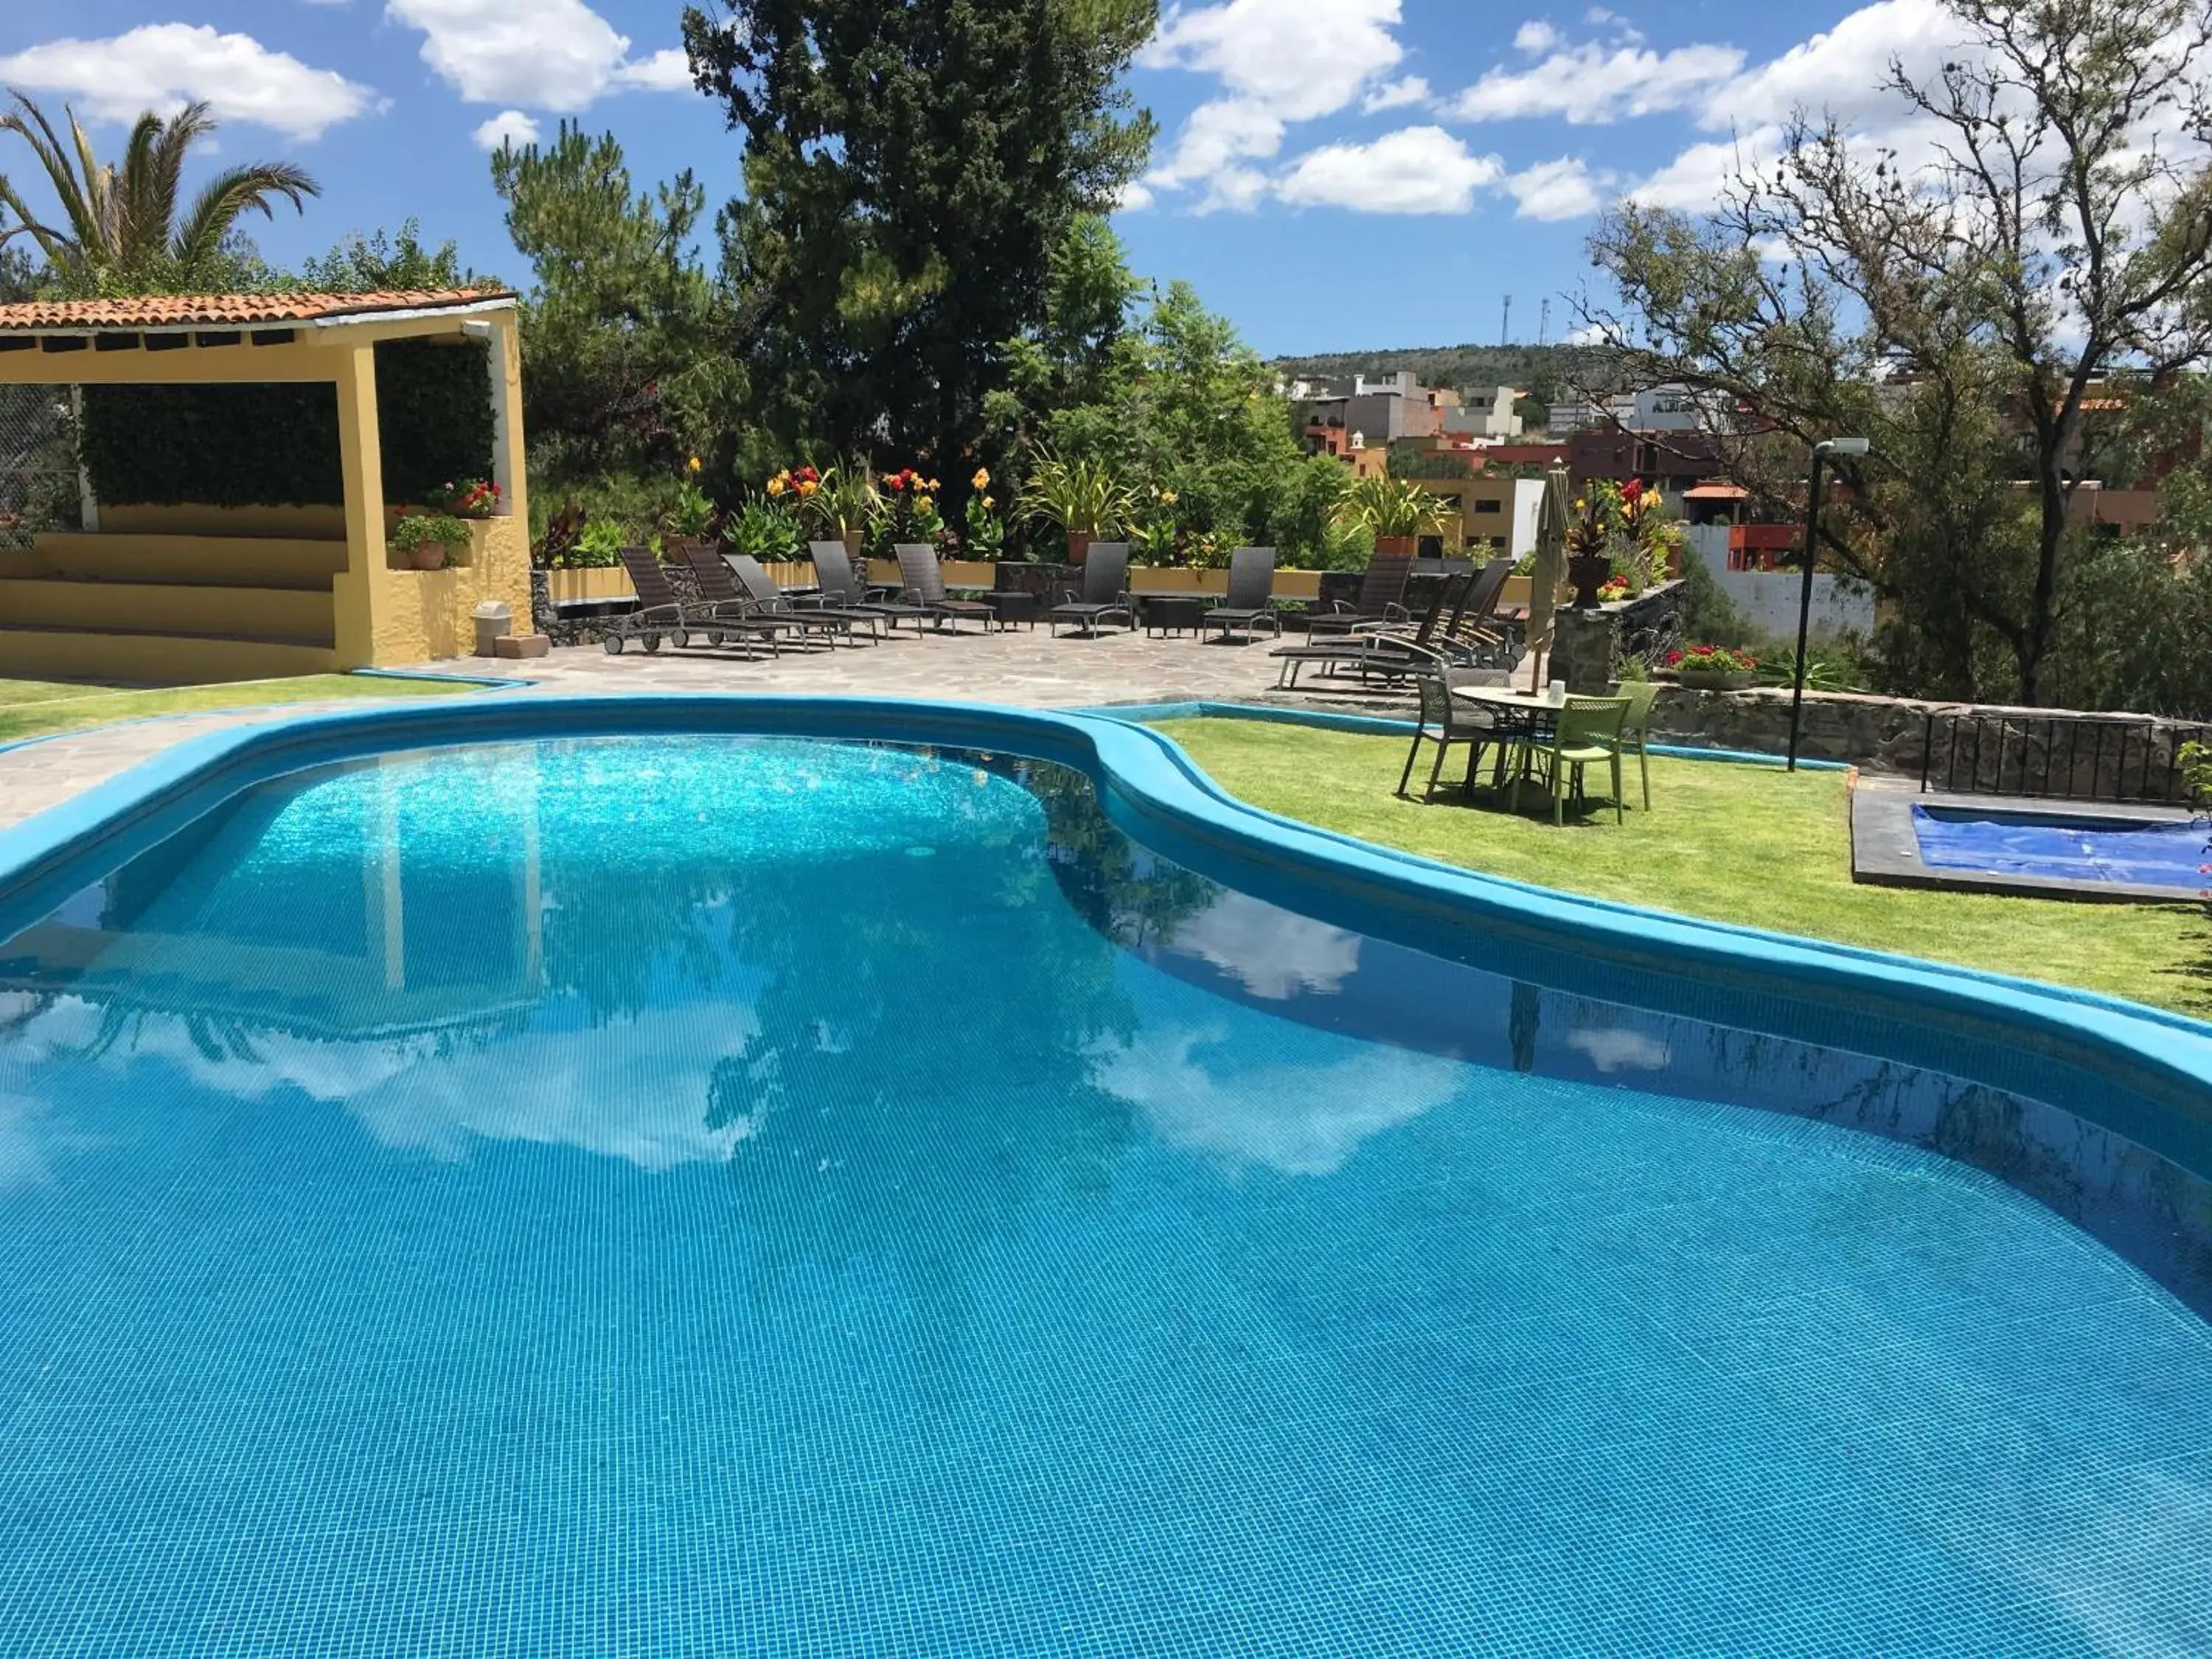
(1378, 412)
(1485, 412)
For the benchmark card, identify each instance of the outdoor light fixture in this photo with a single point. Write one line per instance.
(1821, 451)
(474, 328)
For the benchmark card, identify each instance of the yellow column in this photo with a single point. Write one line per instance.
(363, 592)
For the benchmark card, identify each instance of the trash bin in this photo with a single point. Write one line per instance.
(494, 619)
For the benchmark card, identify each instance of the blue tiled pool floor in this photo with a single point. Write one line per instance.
(701, 1236)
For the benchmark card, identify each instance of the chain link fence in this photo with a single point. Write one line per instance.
(37, 464)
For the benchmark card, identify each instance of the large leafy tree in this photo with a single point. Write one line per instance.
(620, 331)
(388, 261)
(909, 170)
(123, 227)
(1961, 307)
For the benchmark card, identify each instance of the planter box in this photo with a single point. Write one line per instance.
(570, 586)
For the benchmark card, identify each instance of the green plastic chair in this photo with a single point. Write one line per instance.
(1586, 733)
(1635, 728)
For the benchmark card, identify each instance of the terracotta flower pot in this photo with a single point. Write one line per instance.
(427, 555)
(1079, 547)
(1397, 544)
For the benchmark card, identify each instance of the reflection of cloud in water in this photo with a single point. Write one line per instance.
(634, 1088)
(1301, 1116)
(32, 1139)
(1276, 954)
(1615, 1049)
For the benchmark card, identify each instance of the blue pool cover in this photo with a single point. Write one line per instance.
(2143, 854)
(727, 1197)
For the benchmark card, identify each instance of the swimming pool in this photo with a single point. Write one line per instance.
(2075, 848)
(720, 1195)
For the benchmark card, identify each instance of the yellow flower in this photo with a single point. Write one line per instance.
(1168, 496)
(983, 478)
(691, 465)
(807, 486)
(922, 503)
(776, 485)
(1582, 506)
(988, 503)
(929, 484)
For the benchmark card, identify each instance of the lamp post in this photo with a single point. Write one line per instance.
(1821, 451)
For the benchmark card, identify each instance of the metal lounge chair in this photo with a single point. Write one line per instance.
(1587, 733)
(1394, 653)
(1251, 581)
(1105, 592)
(1381, 602)
(1481, 636)
(1445, 721)
(743, 572)
(924, 587)
(662, 613)
(839, 586)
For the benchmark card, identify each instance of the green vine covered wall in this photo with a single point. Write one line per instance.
(277, 445)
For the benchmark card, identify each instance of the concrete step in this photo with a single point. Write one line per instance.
(253, 561)
(146, 658)
(300, 614)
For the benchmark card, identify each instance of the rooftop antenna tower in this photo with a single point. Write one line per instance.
(1544, 323)
(1505, 322)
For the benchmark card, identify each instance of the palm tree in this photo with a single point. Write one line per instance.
(119, 226)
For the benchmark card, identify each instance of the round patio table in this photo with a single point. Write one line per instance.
(1525, 716)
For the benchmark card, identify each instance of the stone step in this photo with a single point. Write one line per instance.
(281, 614)
(144, 657)
(215, 561)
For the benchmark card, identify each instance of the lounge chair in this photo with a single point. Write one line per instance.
(1482, 637)
(1586, 733)
(839, 586)
(1105, 591)
(1380, 601)
(1445, 721)
(924, 587)
(769, 600)
(719, 586)
(1251, 581)
(662, 613)
(1392, 654)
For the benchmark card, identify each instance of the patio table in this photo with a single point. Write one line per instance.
(1526, 715)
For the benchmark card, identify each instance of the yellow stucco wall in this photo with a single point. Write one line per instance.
(421, 616)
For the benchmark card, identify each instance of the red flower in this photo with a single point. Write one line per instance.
(1632, 490)
(1674, 660)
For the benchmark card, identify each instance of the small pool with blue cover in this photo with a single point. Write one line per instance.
(2069, 847)
(739, 1196)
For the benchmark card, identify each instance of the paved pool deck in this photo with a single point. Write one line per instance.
(1022, 667)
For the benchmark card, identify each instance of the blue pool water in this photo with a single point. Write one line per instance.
(728, 1197)
(2067, 849)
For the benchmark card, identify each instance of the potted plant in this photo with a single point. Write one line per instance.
(838, 507)
(472, 498)
(1082, 497)
(1397, 512)
(1712, 667)
(430, 541)
(689, 521)
(1589, 536)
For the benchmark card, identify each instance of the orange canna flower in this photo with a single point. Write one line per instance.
(983, 478)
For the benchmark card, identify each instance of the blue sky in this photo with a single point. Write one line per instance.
(1332, 173)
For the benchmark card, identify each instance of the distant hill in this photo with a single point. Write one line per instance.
(1546, 373)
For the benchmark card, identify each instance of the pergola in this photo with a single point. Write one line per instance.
(186, 590)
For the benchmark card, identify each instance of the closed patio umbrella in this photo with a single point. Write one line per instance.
(1551, 570)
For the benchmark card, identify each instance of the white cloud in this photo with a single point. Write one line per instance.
(1134, 198)
(1844, 69)
(165, 66)
(1278, 61)
(1299, 59)
(1565, 189)
(1696, 178)
(1275, 953)
(1414, 170)
(1592, 85)
(539, 54)
(1536, 37)
(667, 70)
(510, 126)
(1395, 94)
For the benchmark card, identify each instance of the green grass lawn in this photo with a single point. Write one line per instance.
(1747, 844)
(30, 708)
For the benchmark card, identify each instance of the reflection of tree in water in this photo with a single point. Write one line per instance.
(927, 1033)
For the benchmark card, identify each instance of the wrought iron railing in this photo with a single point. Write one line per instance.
(2059, 756)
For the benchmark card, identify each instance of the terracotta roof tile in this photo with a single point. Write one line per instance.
(228, 310)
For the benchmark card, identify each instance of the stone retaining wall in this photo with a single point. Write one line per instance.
(1999, 750)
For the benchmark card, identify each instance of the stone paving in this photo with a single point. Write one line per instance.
(1022, 666)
